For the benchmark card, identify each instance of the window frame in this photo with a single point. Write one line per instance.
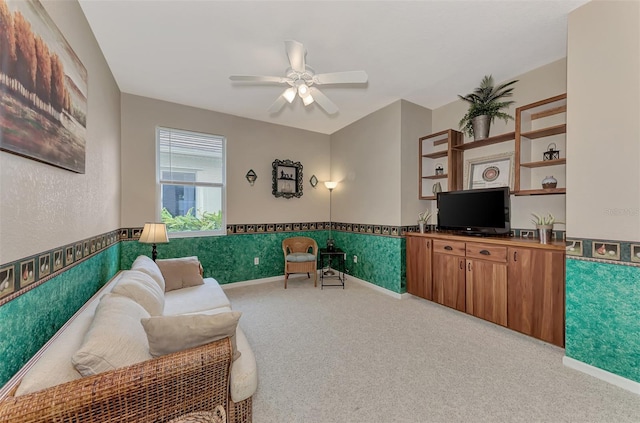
(222, 185)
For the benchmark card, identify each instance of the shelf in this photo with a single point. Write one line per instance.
(443, 176)
(440, 142)
(544, 163)
(436, 155)
(550, 112)
(509, 136)
(431, 197)
(541, 191)
(545, 132)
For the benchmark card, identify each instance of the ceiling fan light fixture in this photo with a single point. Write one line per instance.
(308, 99)
(289, 94)
(303, 90)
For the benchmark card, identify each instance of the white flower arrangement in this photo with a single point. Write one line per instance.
(547, 220)
(424, 216)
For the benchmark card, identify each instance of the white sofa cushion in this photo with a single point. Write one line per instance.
(195, 299)
(244, 373)
(144, 264)
(142, 289)
(169, 334)
(115, 338)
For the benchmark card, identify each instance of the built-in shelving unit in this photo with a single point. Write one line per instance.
(438, 149)
(538, 125)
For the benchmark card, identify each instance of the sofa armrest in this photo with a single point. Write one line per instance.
(156, 390)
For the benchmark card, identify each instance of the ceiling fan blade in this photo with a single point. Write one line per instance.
(349, 77)
(296, 53)
(257, 78)
(278, 104)
(323, 101)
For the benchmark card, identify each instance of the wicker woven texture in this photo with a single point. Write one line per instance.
(156, 390)
(300, 244)
(241, 412)
(217, 416)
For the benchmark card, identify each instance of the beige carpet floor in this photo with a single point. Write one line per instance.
(357, 355)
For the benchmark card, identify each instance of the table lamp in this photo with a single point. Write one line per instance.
(154, 233)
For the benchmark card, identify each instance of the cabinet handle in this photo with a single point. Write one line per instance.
(448, 248)
(461, 265)
(469, 266)
(485, 252)
(515, 256)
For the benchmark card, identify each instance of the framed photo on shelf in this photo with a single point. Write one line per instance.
(489, 172)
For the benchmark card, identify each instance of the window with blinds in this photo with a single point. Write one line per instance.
(191, 178)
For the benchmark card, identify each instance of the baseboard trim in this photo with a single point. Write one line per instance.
(598, 373)
(377, 288)
(252, 282)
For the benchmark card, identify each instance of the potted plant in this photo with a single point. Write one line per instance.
(422, 220)
(484, 106)
(544, 225)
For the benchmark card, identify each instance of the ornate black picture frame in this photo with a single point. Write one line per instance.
(287, 179)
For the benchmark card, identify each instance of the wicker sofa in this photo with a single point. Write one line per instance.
(136, 388)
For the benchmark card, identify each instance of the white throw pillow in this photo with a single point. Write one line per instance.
(169, 334)
(142, 289)
(144, 264)
(115, 338)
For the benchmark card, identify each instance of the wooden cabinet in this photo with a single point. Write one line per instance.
(518, 283)
(539, 125)
(535, 293)
(419, 267)
(437, 150)
(449, 280)
(486, 283)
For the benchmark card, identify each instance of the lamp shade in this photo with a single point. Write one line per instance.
(330, 185)
(154, 233)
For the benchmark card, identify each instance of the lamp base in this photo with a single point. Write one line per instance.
(154, 253)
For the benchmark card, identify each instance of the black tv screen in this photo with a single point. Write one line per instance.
(477, 211)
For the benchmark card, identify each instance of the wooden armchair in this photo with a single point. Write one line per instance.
(299, 259)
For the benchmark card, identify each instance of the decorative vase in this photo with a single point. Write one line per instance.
(481, 125)
(549, 182)
(545, 233)
(422, 225)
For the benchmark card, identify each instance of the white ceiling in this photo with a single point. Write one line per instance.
(426, 52)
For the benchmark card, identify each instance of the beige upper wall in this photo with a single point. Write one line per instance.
(251, 144)
(416, 122)
(603, 176)
(365, 159)
(44, 207)
(543, 82)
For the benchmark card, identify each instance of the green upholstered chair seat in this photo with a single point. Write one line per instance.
(300, 257)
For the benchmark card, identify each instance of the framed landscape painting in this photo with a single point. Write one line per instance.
(43, 89)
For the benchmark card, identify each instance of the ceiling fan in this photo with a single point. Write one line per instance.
(302, 80)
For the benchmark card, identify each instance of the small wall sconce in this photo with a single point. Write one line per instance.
(251, 176)
(313, 181)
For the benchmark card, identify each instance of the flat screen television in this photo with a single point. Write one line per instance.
(476, 212)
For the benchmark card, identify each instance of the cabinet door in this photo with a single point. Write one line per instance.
(448, 280)
(535, 293)
(419, 267)
(487, 290)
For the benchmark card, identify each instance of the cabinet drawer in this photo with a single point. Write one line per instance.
(487, 252)
(455, 248)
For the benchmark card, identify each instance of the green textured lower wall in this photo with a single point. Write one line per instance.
(226, 258)
(603, 316)
(381, 259)
(27, 322)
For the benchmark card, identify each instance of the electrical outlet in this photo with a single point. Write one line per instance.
(256, 261)
(355, 259)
